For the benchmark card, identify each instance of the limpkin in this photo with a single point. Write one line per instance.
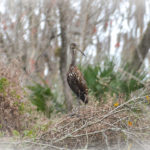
(75, 78)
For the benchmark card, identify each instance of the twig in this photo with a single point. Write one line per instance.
(114, 111)
(131, 75)
(35, 143)
(106, 140)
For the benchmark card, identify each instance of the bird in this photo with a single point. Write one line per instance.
(75, 77)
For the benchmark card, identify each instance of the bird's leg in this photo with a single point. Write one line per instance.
(79, 102)
(78, 105)
(76, 109)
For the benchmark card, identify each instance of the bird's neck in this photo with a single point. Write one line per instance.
(73, 61)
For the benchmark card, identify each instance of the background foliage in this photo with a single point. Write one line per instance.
(107, 79)
(44, 99)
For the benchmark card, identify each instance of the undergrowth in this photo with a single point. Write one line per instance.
(107, 79)
(11, 99)
(44, 99)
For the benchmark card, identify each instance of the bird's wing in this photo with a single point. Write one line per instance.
(81, 81)
(78, 81)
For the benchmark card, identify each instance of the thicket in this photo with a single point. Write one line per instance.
(106, 78)
(102, 80)
(11, 99)
(44, 99)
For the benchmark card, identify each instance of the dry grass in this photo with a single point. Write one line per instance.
(104, 125)
(11, 98)
(95, 127)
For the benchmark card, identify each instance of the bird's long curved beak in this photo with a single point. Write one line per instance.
(81, 52)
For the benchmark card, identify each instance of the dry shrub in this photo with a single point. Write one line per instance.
(11, 98)
(95, 125)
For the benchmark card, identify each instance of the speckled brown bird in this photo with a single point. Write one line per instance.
(75, 78)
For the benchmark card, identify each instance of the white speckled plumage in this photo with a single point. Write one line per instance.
(76, 80)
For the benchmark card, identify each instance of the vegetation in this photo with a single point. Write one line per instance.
(44, 99)
(11, 104)
(3, 83)
(106, 79)
(35, 37)
(102, 80)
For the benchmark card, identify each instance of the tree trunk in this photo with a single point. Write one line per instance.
(141, 51)
(63, 56)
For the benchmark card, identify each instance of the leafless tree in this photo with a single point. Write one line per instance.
(63, 7)
(141, 50)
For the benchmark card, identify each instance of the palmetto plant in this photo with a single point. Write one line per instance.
(105, 79)
(44, 99)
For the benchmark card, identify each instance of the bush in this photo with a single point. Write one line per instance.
(44, 99)
(11, 96)
(104, 79)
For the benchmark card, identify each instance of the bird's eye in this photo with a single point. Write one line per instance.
(72, 46)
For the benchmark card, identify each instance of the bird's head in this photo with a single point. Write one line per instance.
(74, 47)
